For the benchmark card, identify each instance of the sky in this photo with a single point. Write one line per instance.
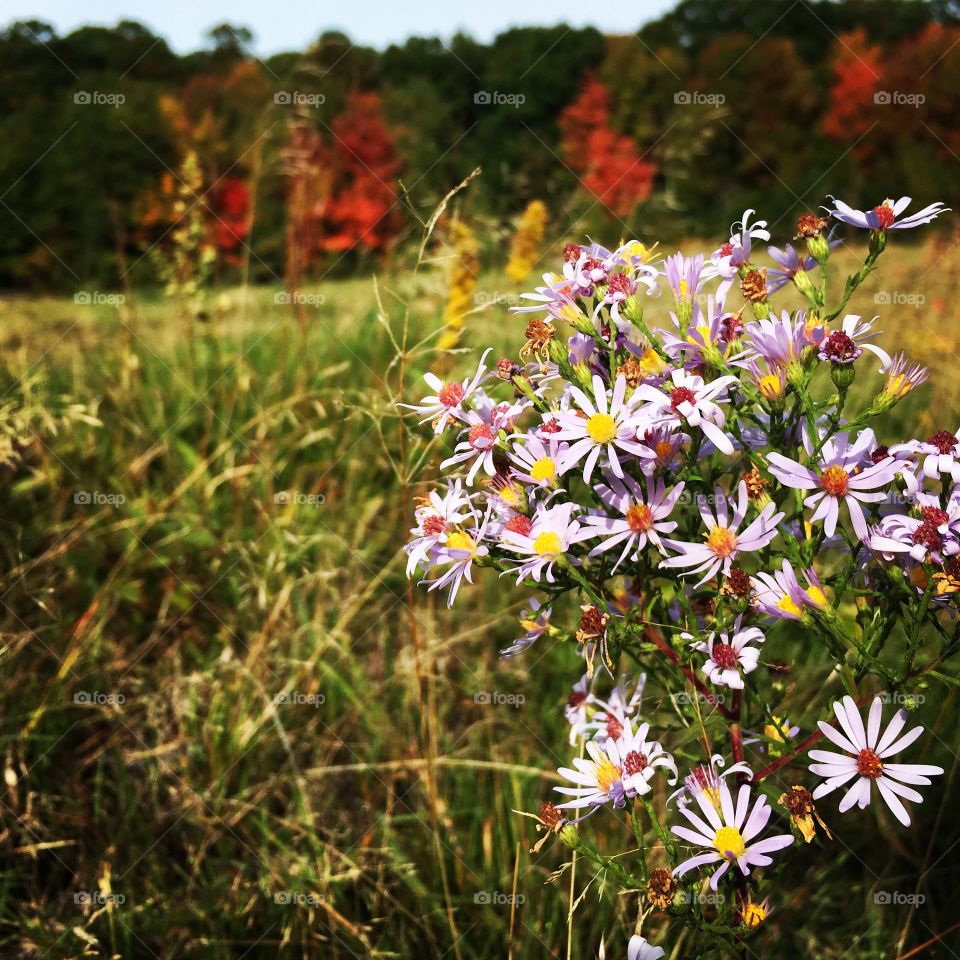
(280, 25)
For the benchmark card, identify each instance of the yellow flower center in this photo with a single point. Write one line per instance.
(788, 606)
(664, 450)
(771, 386)
(458, 540)
(548, 543)
(543, 469)
(607, 774)
(817, 596)
(754, 914)
(601, 428)
(722, 541)
(729, 843)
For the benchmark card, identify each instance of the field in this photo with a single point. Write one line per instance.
(231, 728)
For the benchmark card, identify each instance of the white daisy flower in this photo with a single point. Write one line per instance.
(602, 429)
(729, 833)
(729, 659)
(447, 401)
(868, 759)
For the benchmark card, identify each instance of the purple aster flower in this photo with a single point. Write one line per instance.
(460, 549)
(729, 658)
(781, 342)
(551, 535)
(789, 263)
(692, 401)
(683, 277)
(903, 376)
(617, 769)
(884, 217)
(838, 478)
(865, 756)
(724, 541)
(436, 517)
(729, 833)
(480, 438)
(449, 397)
(781, 595)
(845, 345)
(729, 258)
(931, 536)
(536, 622)
(581, 348)
(539, 463)
(639, 519)
(602, 429)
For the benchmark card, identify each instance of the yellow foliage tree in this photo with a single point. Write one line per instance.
(525, 247)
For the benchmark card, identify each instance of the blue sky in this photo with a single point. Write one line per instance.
(291, 25)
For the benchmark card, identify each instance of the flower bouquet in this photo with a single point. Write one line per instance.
(687, 489)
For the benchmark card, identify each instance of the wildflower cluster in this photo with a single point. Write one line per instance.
(697, 470)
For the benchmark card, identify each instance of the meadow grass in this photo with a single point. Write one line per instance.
(231, 728)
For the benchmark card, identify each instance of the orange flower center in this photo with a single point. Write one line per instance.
(639, 518)
(835, 481)
(722, 541)
(869, 765)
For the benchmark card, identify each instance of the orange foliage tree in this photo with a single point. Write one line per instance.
(607, 162)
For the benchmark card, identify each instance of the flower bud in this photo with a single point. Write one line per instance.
(570, 836)
(878, 242)
(842, 374)
(819, 248)
(802, 281)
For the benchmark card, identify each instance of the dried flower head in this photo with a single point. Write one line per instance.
(810, 225)
(593, 623)
(799, 803)
(754, 286)
(661, 889)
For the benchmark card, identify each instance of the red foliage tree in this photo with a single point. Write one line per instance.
(361, 213)
(858, 70)
(231, 208)
(607, 162)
